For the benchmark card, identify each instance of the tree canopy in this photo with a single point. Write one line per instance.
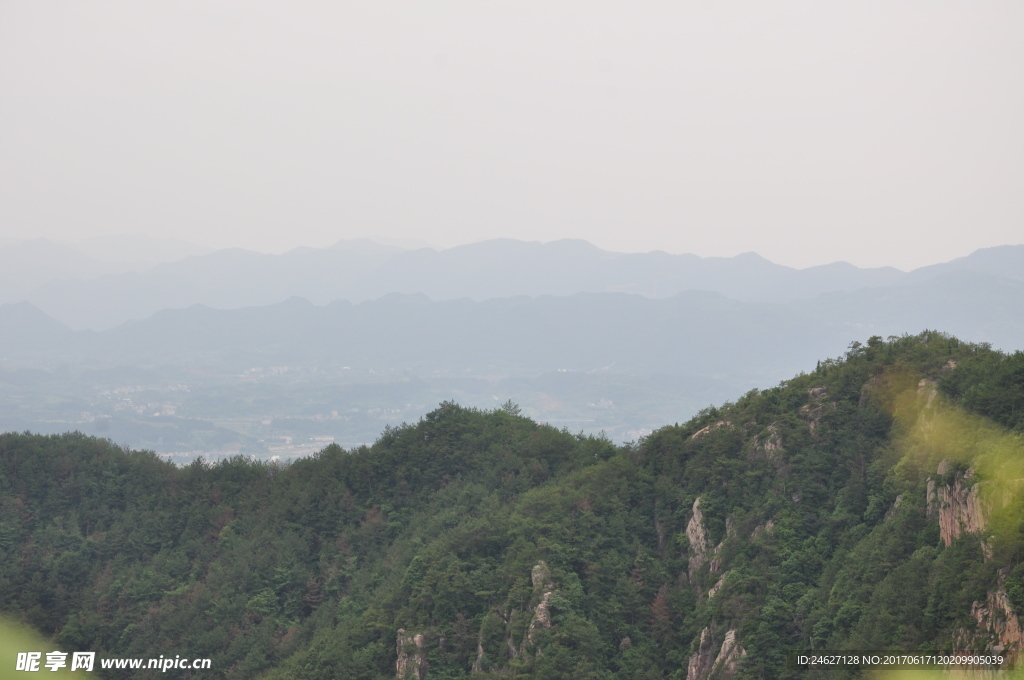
(805, 515)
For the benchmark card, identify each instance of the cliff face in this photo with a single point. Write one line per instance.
(699, 665)
(540, 577)
(412, 658)
(705, 663)
(701, 552)
(998, 627)
(957, 504)
(729, 656)
(996, 617)
(697, 535)
(960, 509)
(710, 658)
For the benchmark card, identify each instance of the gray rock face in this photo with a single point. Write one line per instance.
(699, 665)
(412, 658)
(540, 576)
(697, 534)
(704, 663)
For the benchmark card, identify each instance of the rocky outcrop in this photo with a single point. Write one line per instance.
(770, 445)
(700, 662)
(716, 554)
(478, 663)
(957, 504)
(718, 586)
(704, 663)
(701, 433)
(996, 617)
(998, 627)
(701, 552)
(697, 534)
(540, 576)
(412, 658)
(814, 411)
(541, 617)
(729, 656)
(762, 531)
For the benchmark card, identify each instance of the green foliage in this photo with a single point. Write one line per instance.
(816, 530)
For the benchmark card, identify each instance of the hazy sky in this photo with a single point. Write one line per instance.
(873, 132)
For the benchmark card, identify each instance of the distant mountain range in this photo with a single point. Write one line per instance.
(577, 336)
(691, 333)
(25, 266)
(84, 291)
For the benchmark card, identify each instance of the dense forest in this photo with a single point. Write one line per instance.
(871, 504)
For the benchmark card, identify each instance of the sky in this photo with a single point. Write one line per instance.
(879, 133)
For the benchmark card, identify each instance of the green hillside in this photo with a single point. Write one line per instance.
(872, 504)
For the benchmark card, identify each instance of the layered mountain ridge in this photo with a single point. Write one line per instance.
(282, 379)
(87, 293)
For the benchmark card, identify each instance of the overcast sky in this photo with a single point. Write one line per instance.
(880, 133)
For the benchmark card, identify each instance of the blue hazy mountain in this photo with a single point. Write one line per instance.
(361, 270)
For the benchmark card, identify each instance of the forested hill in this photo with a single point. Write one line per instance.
(871, 504)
